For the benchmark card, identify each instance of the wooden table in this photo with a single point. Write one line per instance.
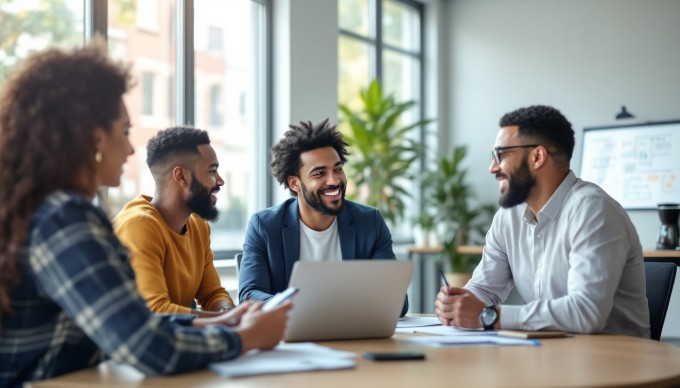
(579, 361)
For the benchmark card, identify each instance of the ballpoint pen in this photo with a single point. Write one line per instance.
(444, 277)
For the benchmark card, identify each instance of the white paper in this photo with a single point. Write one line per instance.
(471, 340)
(286, 358)
(445, 330)
(417, 322)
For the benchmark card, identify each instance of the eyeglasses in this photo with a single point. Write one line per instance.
(496, 152)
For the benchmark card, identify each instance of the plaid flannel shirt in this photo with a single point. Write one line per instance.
(77, 298)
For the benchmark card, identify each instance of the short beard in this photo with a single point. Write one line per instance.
(199, 201)
(520, 185)
(314, 200)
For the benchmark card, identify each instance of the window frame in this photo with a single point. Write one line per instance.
(96, 24)
(377, 48)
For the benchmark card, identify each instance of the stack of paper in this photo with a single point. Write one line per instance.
(471, 340)
(445, 330)
(409, 322)
(286, 358)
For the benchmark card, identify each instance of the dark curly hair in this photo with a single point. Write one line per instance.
(49, 109)
(545, 125)
(303, 137)
(171, 146)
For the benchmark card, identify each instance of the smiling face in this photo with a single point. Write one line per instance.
(321, 181)
(514, 177)
(114, 147)
(205, 183)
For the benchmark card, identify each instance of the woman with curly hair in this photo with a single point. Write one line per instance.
(67, 291)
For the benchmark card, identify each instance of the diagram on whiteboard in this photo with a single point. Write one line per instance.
(638, 165)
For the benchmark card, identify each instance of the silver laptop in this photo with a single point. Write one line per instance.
(347, 299)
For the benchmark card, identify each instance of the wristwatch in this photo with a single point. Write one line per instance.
(488, 317)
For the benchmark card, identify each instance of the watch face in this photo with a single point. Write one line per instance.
(488, 316)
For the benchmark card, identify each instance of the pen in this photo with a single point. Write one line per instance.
(444, 277)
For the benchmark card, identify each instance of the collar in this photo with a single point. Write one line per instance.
(554, 204)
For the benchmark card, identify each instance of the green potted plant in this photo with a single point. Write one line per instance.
(383, 150)
(448, 196)
(426, 223)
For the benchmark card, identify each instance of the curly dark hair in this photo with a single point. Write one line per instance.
(545, 125)
(171, 145)
(302, 137)
(49, 109)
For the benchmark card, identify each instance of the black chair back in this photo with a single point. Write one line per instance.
(660, 280)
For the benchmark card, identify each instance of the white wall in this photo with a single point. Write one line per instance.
(584, 57)
(305, 61)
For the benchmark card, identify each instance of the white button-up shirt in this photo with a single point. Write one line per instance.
(578, 266)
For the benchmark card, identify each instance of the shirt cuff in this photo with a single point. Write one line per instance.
(234, 343)
(510, 317)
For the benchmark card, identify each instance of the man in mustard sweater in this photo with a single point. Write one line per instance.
(168, 235)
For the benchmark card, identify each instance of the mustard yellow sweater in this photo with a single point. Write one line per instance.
(171, 269)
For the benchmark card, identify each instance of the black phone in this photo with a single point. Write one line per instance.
(394, 356)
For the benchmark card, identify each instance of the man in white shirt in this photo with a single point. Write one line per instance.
(568, 247)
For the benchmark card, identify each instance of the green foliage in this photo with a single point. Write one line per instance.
(50, 21)
(127, 12)
(447, 198)
(381, 151)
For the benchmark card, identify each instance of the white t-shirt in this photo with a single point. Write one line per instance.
(320, 246)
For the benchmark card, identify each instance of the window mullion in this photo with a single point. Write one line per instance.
(378, 40)
(96, 13)
(184, 58)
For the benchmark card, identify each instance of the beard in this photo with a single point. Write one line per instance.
(199, 200)
(314, 199)
(520, 185)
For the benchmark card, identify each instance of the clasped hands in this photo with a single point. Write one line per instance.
(458, 307)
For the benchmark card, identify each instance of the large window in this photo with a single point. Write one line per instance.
(221, 95)
(30, 25)
(143, 34)
(195, 62)
(381, 39)
(229, 70)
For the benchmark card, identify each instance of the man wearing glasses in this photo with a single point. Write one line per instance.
(568, 247)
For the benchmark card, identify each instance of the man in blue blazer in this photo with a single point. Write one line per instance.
(318, 224)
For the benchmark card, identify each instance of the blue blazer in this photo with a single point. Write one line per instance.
(272, 245)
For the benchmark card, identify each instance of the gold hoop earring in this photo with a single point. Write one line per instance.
(98, 156)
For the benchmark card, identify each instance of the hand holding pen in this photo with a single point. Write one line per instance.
(452, 307)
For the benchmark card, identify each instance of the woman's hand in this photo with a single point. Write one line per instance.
(263, 330)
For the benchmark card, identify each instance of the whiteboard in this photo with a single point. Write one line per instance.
(637, 164)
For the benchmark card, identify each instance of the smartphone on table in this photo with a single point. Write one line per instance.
(394, 356)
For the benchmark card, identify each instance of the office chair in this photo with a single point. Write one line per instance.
(660, 279)
(238, 258)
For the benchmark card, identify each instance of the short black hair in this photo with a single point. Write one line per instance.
(545, 125)
(302, 137)
(173, 144)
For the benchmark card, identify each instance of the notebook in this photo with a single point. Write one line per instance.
(347, 300)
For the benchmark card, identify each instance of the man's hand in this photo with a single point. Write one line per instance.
(223, 306)
(229, 318)
(218, 309)
(458, 307)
